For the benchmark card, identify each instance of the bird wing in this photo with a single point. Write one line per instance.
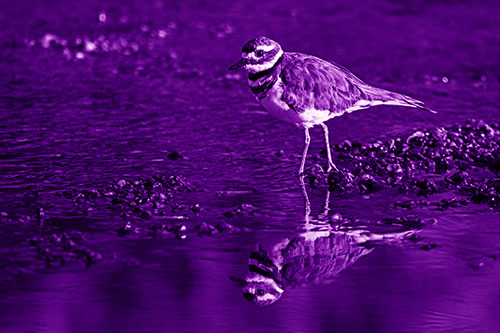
(313, 83)
(310, 82)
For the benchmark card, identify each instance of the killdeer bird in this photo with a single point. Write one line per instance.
(307, 91)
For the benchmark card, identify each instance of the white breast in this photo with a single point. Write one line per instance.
(309, 117)
(273, 103)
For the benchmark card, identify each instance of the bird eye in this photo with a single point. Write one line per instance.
(259, 53)
(260, 292)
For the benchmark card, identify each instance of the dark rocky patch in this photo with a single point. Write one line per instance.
(341, 181)
(144, 198)
(315, 175)
(460, 159)
(59, 249)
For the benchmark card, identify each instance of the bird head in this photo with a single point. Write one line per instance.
(263, 285)
(258, 55)
(259, 290)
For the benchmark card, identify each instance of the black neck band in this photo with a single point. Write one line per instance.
(258, 75)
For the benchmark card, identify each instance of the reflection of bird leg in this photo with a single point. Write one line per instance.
(326, 206)
(307, 204)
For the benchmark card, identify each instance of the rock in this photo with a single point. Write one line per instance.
(174, 156)
(428, 247)
(242, 210)
(205, 229)
(196, 208)
(127, 229)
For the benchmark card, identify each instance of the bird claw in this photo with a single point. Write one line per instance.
(332, 167)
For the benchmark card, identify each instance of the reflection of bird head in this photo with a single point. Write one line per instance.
(259, 289)
(263, 284)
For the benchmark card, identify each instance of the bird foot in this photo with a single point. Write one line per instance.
(331, 167)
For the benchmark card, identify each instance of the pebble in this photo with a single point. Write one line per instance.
(242, 210)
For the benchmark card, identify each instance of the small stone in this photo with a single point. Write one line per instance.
(336, 218)
(205, 229)
(226, 227)
(196, 208)
(242, 210)
(180, 231)
(174, 156)
(102, 17)
(126, 229)
(428, 247)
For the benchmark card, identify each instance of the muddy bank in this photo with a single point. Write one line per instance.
(459, 164)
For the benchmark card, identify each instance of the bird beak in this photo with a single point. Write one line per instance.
(240, 282)
(238, 65)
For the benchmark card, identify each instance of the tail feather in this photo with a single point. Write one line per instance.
(412, 102)
(378, 96)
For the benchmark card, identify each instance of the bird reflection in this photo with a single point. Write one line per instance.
(315, 256)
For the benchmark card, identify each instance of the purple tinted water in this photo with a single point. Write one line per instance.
(94, 92)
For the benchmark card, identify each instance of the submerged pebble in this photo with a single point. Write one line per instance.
(242, 210)
(175, 156)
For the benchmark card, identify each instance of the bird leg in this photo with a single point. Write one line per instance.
(307, 204)
(331, 165)
(307, 140)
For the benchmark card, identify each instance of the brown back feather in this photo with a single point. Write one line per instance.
(311, 82)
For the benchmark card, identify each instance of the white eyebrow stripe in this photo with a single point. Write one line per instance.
(255, 68)
(265, 279)
(265, 48)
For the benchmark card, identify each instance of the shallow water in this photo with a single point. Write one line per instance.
(92, 93)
